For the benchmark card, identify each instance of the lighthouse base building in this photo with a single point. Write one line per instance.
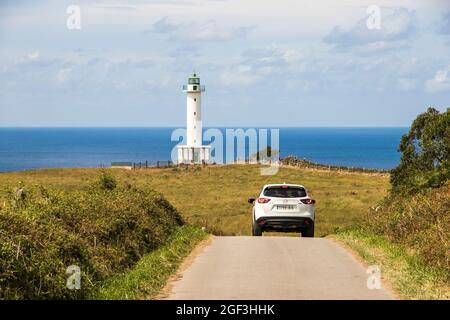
(194, 155)
(194, 152)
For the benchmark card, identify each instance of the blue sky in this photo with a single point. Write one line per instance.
(264, 63)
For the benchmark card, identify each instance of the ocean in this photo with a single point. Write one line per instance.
(34, 148)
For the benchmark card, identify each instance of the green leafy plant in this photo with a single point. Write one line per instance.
(107, 180)
(425, 161)
(103, 233)
(416, 212)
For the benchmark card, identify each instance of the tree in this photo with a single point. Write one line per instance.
(425, 161)
(266, 154)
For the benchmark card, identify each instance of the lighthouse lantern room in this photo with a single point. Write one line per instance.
(194, 152)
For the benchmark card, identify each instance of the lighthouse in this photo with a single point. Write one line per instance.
(194, 152)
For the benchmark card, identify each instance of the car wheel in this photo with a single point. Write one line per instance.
(308, 232)
(256, 230)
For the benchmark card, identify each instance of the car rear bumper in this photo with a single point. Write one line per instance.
(284, 223)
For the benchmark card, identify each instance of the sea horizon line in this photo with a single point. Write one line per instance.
(205, 127)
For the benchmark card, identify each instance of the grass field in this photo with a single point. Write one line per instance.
(216, 196)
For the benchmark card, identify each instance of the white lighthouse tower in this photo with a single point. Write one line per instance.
(194, 152)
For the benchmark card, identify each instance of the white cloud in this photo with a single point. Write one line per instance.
(34, 59)
(378, 47)
(395, 28)
(440, 82)
(406, 84)
(444, 24)
(63, 74)
(259, 63)
(33, 55)
(239, 75)
(205, 31)
(164, 26)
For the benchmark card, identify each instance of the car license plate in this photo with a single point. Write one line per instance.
(285, 207)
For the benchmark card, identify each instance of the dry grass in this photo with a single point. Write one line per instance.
(216, 196)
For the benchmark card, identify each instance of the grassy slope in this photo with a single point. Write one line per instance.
(405, 273)
(104, 232)
(149, 276)
(216, 197)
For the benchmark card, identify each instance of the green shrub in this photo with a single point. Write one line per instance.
(150, 275)
(416, 213)
(420, 222)
(107, 180)
(103, 231)
(425, 161)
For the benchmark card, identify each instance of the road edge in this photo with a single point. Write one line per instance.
(386, 284)
(402, 273)
(166, 291)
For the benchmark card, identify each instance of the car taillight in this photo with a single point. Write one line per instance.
(263, 200)
(308, 201)
(261, 221)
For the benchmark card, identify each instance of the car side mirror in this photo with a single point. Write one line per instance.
(251, 200)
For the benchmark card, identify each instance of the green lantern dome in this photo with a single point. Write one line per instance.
(193, 84)
(194, 79)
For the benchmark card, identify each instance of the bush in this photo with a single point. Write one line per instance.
(420, 223)
(425, 161)
(107, 181)
(416, 212)
(101, 231)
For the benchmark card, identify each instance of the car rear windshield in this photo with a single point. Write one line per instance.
(285, 192)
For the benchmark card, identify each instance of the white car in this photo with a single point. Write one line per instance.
(283, 208)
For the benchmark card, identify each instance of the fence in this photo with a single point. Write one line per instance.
(295, 162)
(142, 165)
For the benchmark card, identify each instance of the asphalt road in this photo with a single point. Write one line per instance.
(271, 268)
